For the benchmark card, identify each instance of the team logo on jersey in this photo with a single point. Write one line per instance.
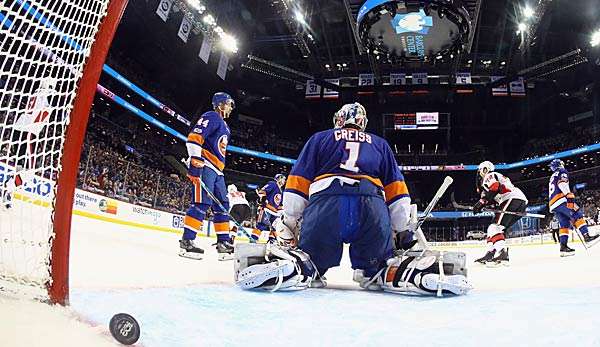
(223, 145)
(277, 199)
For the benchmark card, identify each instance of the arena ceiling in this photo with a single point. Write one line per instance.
(264, 29)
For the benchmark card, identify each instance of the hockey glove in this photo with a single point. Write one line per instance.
(478, 207)
(287, 230)
(571, 204)
(195, 167)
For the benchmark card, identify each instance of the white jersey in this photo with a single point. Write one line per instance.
(37, 113)
(237, 198)
(496, 182)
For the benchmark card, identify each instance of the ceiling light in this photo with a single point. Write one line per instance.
(209, 19)
(229, 43)
(528, 12)
(595, 41)
(299, 17)
(196, 5)
(522, 27)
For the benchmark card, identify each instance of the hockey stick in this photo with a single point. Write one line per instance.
(438, 195)
(214, 198)
(458, 206)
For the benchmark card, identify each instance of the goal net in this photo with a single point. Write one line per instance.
(46, 49)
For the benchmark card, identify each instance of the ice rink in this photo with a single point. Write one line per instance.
(540, 300)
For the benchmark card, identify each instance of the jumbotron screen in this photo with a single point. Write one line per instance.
(416, 121)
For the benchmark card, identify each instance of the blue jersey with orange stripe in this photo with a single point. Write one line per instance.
(208, 141)
(274, 196)
(556, 195)
(348, 155)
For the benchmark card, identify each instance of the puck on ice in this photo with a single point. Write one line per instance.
(124, 328)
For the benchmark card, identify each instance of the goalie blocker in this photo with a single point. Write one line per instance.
(427, 272)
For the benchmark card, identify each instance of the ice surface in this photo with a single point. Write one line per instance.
(540, 300)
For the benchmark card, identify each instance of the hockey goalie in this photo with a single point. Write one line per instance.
(346, 188)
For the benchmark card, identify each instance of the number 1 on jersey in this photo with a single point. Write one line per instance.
(353, 149)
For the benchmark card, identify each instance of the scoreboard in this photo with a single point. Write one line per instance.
(416, 121)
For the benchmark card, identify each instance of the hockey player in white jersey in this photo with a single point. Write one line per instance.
(27, 137)
(239, 210)
(497, 189)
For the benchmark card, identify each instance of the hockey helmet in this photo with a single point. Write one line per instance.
(351, 114)
(280, 178)
(557, 164)
(220, 98)
(232, 188)
(485, 167)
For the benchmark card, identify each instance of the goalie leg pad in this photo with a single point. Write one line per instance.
(427, 272)
(272, 267)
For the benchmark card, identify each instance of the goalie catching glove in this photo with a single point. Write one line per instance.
(287, 230)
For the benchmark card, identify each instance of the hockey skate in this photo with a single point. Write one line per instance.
(590, 240)
(500, 259)
(189, 250)
(566, 251)
(225, 250)
(487, 257)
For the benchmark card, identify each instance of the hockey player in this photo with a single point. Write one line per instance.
(27, 130)
(206, 146)
(347, 188)
(239, 210)
(562, 204)
(270, 199)
(497, 189)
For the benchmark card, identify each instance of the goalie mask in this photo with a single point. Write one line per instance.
(485, 168)
(351, 114)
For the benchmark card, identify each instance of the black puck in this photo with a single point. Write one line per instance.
(124, 328)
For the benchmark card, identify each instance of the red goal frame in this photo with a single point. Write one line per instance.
(58, 289)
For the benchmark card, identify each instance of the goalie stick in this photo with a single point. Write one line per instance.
(438, 195)
(214, 198)
(470, 208)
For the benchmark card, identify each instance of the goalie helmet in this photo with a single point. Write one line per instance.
(556, 164)
(351, 114)
(485, 168)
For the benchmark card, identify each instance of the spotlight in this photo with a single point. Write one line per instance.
(300, 17)
(195, 4)
(595, 41)
(528, 12)
(209, 20)
(229, 43)
(522, 27)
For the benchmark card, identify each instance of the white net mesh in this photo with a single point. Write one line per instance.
(44, 45)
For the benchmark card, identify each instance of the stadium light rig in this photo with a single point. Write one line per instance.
(528, 12)
(229, 43)
(196, 5)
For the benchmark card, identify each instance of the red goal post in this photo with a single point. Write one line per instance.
(51, 56)
(67, 179)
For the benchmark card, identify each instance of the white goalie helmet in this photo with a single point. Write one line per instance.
(351, 114)
(485, 167)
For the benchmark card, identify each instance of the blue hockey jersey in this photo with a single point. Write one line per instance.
(274, 196)
(348, 155)
(558, 189)
(208, 141)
